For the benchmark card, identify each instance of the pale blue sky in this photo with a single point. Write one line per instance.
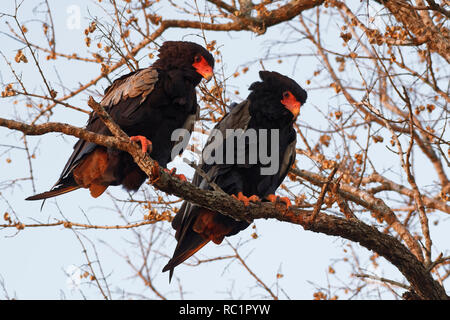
(32, 261)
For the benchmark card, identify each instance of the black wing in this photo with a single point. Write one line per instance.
(237, 118)
(122, 101)
(228, 177)
(189, 241)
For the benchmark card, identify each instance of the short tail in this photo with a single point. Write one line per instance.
(191, 243)
(54, 192)
(201, 226)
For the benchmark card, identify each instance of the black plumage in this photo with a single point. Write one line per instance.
(148, 103)
(273, 103)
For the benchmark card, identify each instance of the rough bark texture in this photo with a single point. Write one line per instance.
(421, 26)
(390, 248)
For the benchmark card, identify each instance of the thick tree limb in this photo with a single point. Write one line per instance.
(390, 248)
(368, 201)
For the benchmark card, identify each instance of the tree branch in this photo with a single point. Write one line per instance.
(369, 237)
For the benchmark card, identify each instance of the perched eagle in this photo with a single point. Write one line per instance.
(274, 103)
(148, 104)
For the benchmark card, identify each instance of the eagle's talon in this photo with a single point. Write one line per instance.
(146, 145)
(246, 200)
(276, 199)
(172, 172)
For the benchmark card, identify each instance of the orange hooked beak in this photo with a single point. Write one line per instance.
(203, 68)
(291, 103)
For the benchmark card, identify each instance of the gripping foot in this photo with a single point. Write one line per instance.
(146, 144)
(276, 199)
(173, 173)
(246, 200)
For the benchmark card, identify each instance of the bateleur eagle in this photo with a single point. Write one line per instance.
(148, 104)
(274, 103)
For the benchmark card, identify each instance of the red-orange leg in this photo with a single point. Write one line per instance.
(246, 200)
(146, 144)
(172, 173)
(275, 199)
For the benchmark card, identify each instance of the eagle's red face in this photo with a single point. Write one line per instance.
(291, 103)
(202, 67)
